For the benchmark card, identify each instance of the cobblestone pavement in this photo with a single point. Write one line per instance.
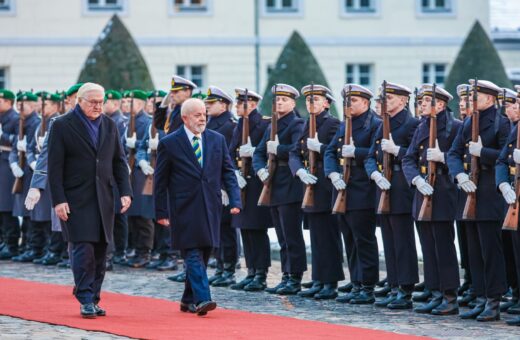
(143, 282)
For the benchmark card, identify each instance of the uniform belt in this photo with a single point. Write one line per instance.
(438, 170)
(467, 167)
(5, 148)
(395, 167)
(282, 163)
(512, 170)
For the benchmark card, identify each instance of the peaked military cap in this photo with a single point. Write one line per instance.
(26, 96)
(6, 94)
(157, 93)
(113, 94)
(73, 89)
(510, 95)
(356, 90)
(138, 94)
(285, 90)
(397, 89)
(216, 94)
(440, 93)
(517, 88)
(180, 83)
(317, 90)
(485, 86)
(240, 95)
(462, 90)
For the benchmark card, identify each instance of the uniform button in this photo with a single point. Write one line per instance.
(467, 144)
(509, 156)
(339, 149)
(510, 145)
(421, 147)
(377, 141)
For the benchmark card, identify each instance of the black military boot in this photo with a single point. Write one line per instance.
(308, 284)
(179, 277)
(40, 259)
(228, 276)
(420, 287)
(514, 322)
(120, 259)
(475, 311)
(382, 283)
(328, 292)
(435, 301)
(504, 306)
(285, 279)
(468, 297)
(217, 275)
(28, 256)
(449, 305)
(389, 298)
(403, 299)
(293, 286)
(354, 292)
(245, 281)
(346, 288)
(154, 263)
(140, 260)
(491, 311)
(423, 297)
(7, 254)
(383, 291)
(365, 296)
(464, 287)
(309, 293)
(259, 282)
(51, 260)
(169, 263)
(515, 309)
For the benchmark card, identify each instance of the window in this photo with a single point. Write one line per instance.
(436, 6)
(5, 5)
(105, 5)
(360, 6)
(195, 73)
(282, 7)
(190, 6)
(434, 73)
(3, 78)
(359, 74)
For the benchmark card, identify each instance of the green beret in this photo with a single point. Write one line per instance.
(73, 89)
(157, 93)
(6, 94)
(41, 94)
(139, 94)
(126, 94)
(113, 94)
(199, 95)
(26, 96)
(53, 97)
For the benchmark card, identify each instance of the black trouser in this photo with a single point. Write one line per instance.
(441, 268)
(88, 267)
(228, 250)
(287, 219)
(515, 235)
(400, 253)
(509, 258)
(57, 245)
(463, 247)
(486, 258)
(351, 253)
(361, 226)
(162, 243)
(142, 233)
(39, 235)
(10, 230)
(120, 234)
(257, 249)
(326, 248)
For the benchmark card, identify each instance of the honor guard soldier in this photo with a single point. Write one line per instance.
(23, 173)
(484, 226)
(327, 267)
(396, 220)
(220, 119)
(286, 190)
(181, 89)
(359, 217)
(125, 103)
(71, 94)
(9, 228)
(253, 220)
(141, 212)
(421, 163)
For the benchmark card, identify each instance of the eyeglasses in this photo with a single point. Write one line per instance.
(93, 103)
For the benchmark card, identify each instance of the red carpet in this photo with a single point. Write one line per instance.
(148, 318)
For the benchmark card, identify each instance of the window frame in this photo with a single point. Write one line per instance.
(356, 73)
(87, 11)
(189, 74)
(264, 12)
(5, 78)
(10, 11)
(173, 13)
(432, 72)
(452, 5)
(344, 13)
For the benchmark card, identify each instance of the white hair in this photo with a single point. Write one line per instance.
(90, 87)
(191, 105)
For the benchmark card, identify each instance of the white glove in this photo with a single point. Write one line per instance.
(17, 171)
(314, 144)
(337, 181)
(381, 182)
(516, 156)
(507, 192)
(247, 150)
(421, 185)
(240, 179)
(33, 196)
(1, 131)
(130, 141)
(306, 177)
(41, 139)
(153, 142)
(33, 165)
(388, 145)
(465, 183)
(225, 198)
(165, 101)
(435, 154)
(21, 145)
(475, 148)
(272, 146)
(348, 151)
(146, 167)
(263, 174)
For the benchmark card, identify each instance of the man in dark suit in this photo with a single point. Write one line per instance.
(193, 167)
(86, 160)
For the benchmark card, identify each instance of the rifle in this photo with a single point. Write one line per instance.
(245, 161)
(425, 214)
(384, 201)
(130, 132)
(471, 201)
(340, 206)
(62, 103)
(466, 114)
(416, 104)
(308, 197)
(265, 195)
(43, 125)
(18, 182)
(511, 219)
(148, 184)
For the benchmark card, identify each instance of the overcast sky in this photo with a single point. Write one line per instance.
(505, 14)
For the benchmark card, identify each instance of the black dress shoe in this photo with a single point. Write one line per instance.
(354, 293)
(419, 287)
(424, 296)
(449, 305)
(139, 261)
(365, 296)
(514, 322)
(168, 264)
(382, 283)
(99, 311)
(205, 306)
(515, 309)
(245, 281)
(120, 259)
(227, 279)
(382, 292)
(65, 263)
(475, 311)
(180, 277)
(309, 293)
(427, 308)
(293, 286)
(504, 306)
(285, 279)
(154, 263)
(188, 307)
(259, 282)
(328, 292)
(39, 260)
(491, 311)
(403, 299)
(463, 288)
(346, 288)
(51, 260)
(212, 263)
(28, 256)
(389, 298)
(307, 284)
(7, 254)
(468, 297)
(217, 275)
(88, 311)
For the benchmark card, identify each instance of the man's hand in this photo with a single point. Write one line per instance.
(435, 154)
(516, 156)
(153, 143)
(465, 183)
(348, 151)
(381, 182)
(272, 146)
(234, 211)
(263, 174)
(33, 196)
(146, 167)
(21, 145)
(337, 181)
(421, 185)
(17, 171)
(240, 179)
(62, 211)
(225, 198)
(41, 139)
(508, 193)
(125, 203)
(314, 144)
(33, 165)
(306, 177)
(475, 148)
(246, 150)
(130, 141)
(164, 222)
(388, 145)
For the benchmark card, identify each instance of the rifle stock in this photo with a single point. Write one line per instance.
(308, 197)
(265, 195)
(511, 219)
(18, 182)
(383, 206)
(470, 207)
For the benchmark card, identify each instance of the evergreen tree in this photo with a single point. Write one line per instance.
(296, 66)
(115, 61)
(477, 58)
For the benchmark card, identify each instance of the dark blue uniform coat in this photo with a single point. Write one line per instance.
(9, 121)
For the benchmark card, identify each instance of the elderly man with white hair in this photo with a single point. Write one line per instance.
(86, 161)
